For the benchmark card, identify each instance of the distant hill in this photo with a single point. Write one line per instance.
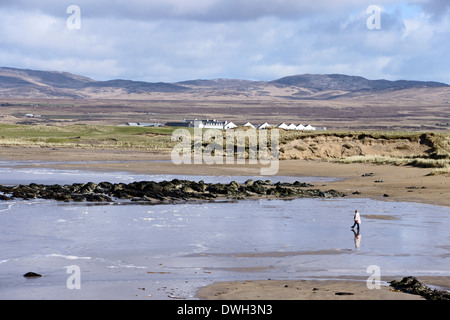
(138, 86)
(42, 81)
(42, 78)
(25, 83)
(321, 82)
(218, 83)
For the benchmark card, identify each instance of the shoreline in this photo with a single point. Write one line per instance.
(403, 184)
(356, 180)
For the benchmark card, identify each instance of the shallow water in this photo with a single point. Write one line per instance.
(23, 172)
(136, 251)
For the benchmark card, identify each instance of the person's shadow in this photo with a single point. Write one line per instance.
(357, 238)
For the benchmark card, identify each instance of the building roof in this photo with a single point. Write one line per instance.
(264, 125)
(291, 126)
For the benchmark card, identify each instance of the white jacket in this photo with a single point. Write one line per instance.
(357, 218)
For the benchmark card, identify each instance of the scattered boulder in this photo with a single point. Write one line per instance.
(414, 286)
(344, 293)
(32, 275)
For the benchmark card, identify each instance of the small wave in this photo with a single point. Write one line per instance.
(6, 207)
(68, 257)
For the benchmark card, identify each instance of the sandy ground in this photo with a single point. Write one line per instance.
(301, 290)
(336, 289)
(389, 183)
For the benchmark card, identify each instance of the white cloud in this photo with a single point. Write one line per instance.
(176, 40)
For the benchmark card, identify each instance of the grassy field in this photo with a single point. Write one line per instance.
(159, 139)
(86, 136)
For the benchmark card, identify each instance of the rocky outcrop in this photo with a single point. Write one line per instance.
(413, 286)
(165, 191)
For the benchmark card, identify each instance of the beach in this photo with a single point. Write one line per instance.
(383, 182)
(378, 182)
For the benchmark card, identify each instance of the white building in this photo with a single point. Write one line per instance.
(282, 126)
(211, 124)
(248, 124)
(265, 125)
(309, 127)
(229, 125)
(291, 127)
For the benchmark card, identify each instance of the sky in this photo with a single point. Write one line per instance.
(176, 40)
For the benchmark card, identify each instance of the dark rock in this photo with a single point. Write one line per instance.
(414, 286)
(303, 184)
(332, 194)
(98, 198)
(249, 183)
(4, 198)
(121, 194)
(175, 190)
(117, 187)
(344, 293)
(32, 275)
(62, 197)
(88, 187)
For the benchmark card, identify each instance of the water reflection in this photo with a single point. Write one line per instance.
(357, 239)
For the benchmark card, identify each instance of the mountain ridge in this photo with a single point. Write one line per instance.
(24, 82)
(350, 83)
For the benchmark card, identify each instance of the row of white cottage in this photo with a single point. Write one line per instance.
(224, 125)
(283, 125)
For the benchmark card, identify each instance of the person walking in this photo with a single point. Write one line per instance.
(357, 219)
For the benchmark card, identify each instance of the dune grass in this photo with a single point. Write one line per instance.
(438, 157)
(398, 161)
(159, 139)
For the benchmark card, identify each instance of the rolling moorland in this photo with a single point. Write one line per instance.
(337, 102)
(377, 121)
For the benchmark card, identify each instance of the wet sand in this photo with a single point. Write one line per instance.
(340, 289)
(389, 183)
(336, 289)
